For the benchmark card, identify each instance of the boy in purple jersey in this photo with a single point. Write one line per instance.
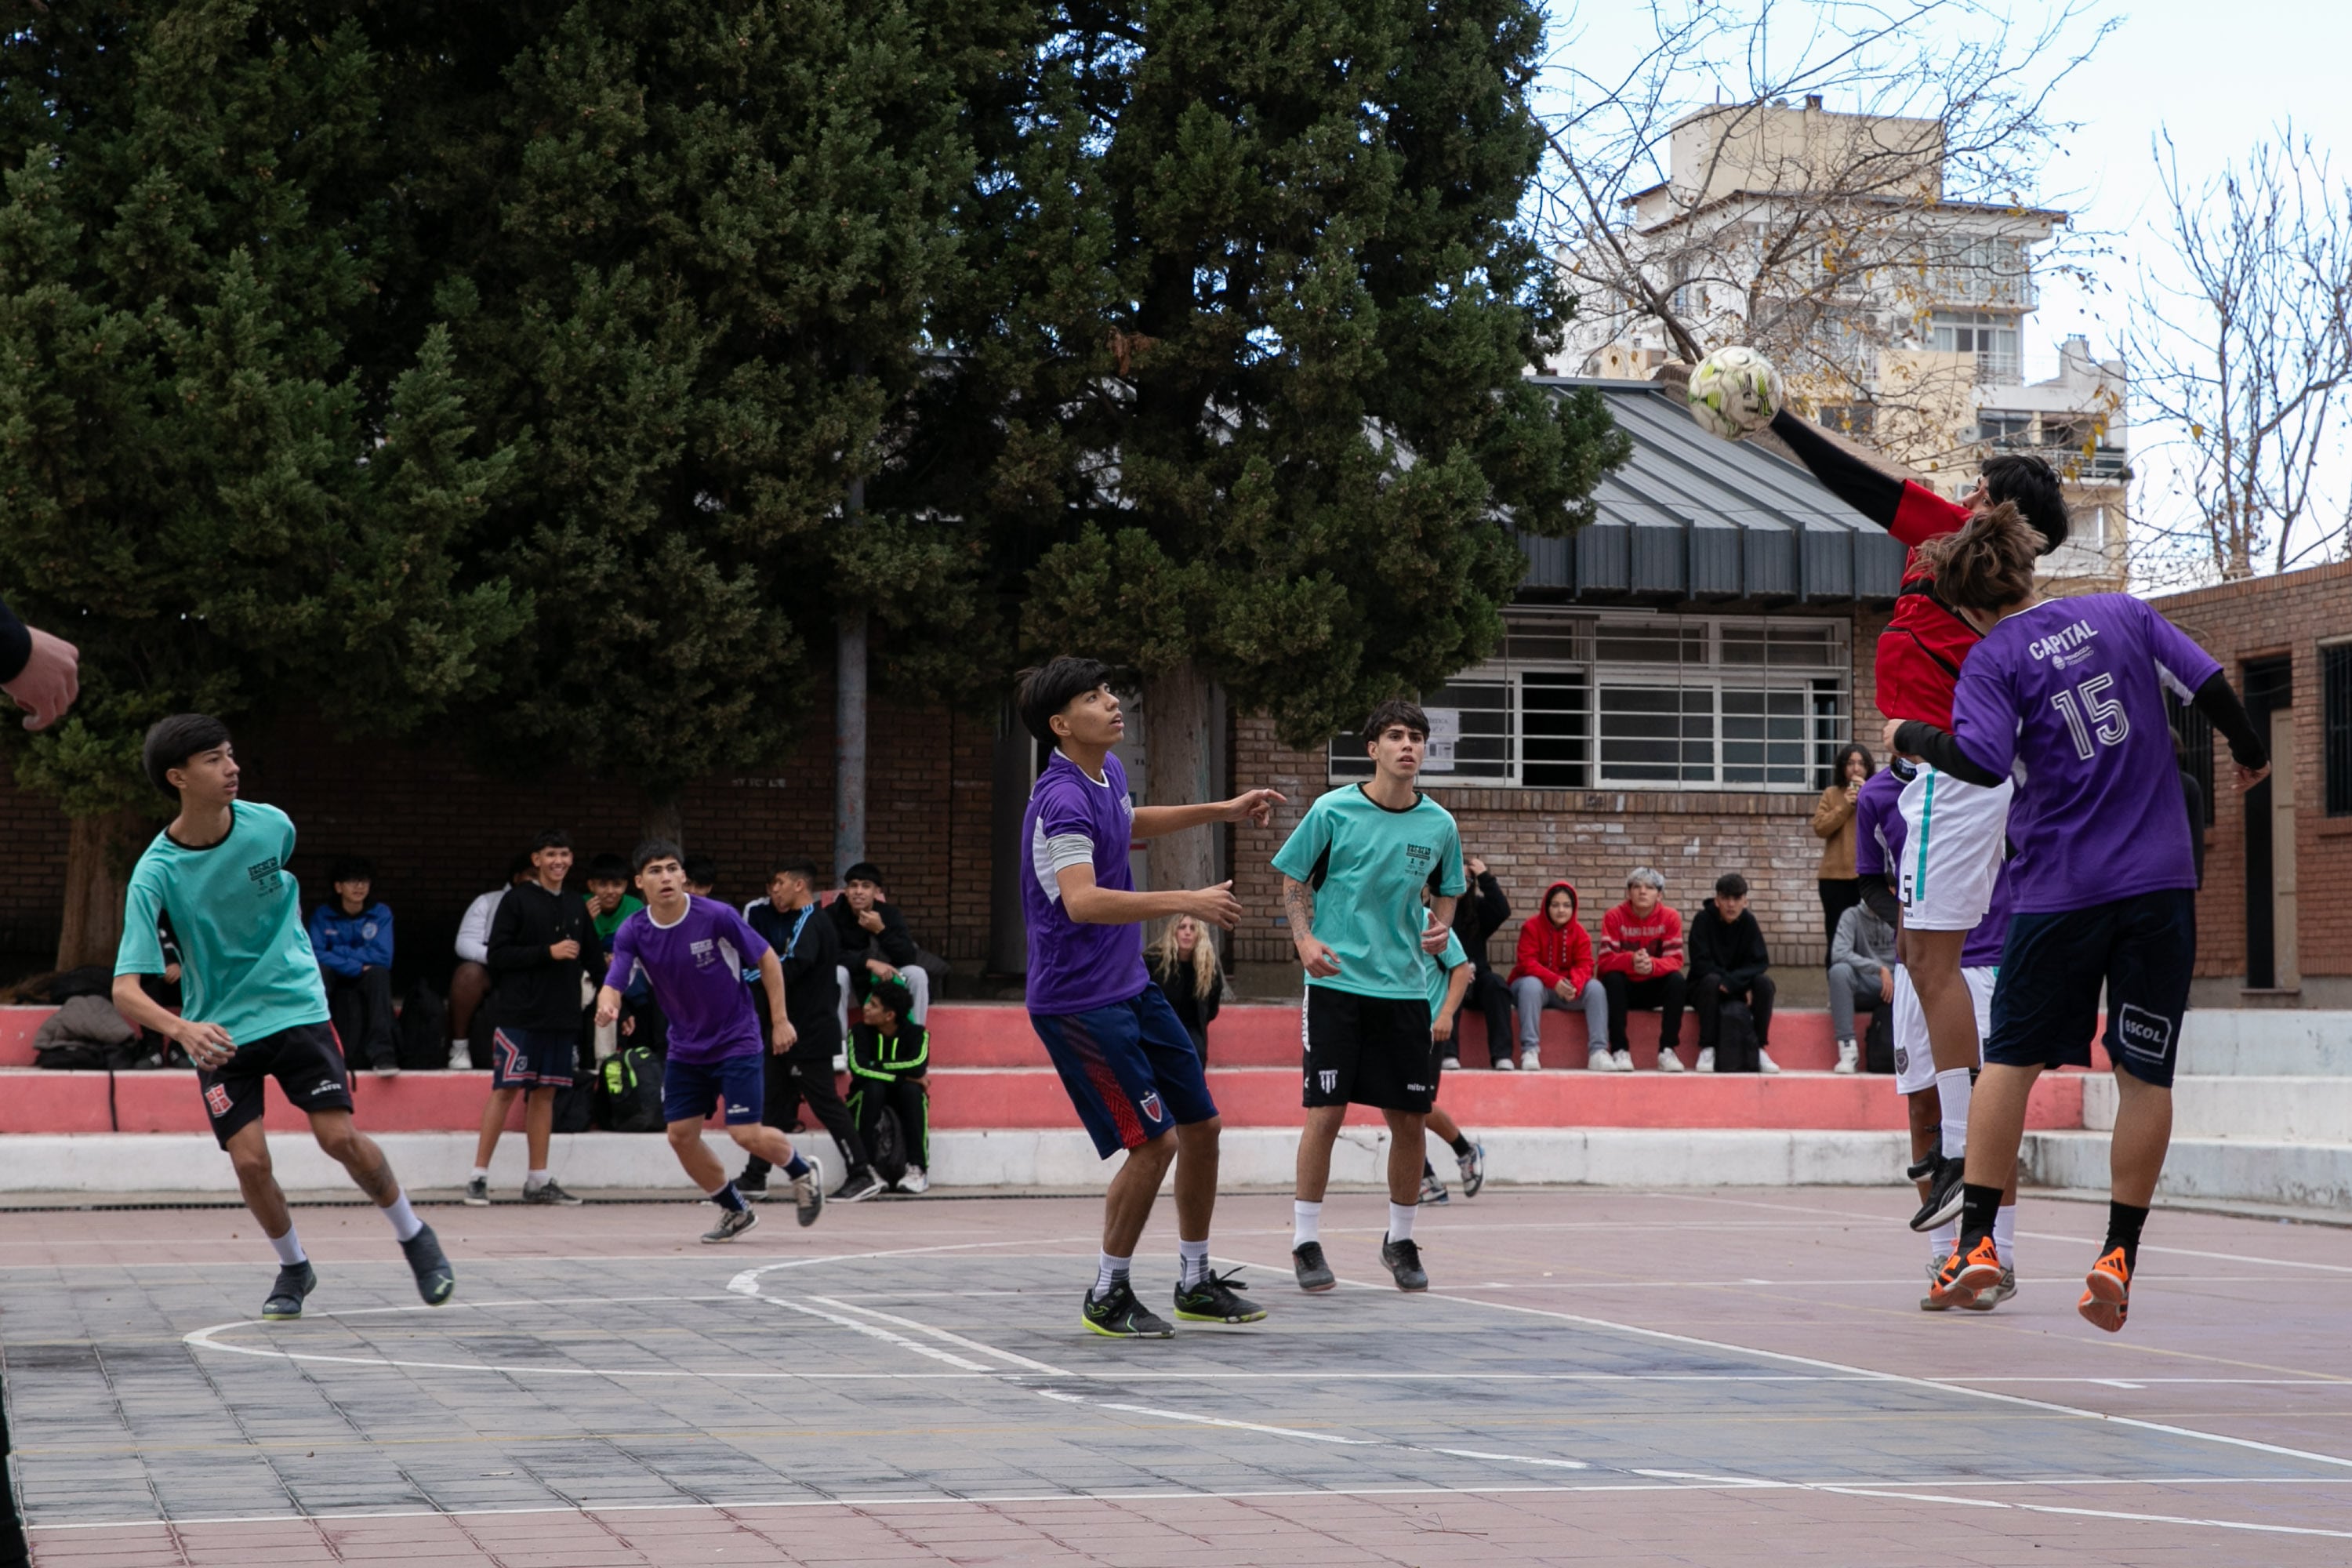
(1130, 1067)
(694, 951)
(2068, 696)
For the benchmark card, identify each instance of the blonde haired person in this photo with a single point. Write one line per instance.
(1183, 963)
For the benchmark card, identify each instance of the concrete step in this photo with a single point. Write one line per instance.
(2301, 1175)
(2266, 1042)
(2267, 1110)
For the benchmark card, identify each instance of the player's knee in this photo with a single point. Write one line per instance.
(1196, 1134)
(251, 1165)
(684, 1134)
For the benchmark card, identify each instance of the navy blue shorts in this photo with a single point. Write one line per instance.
(533, 1059)
(1131, 1068)
(737, 1085)
(2046, 1005)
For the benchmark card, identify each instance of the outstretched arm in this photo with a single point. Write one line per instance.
(1089, 904)
(1255, 806)
(1912, 513)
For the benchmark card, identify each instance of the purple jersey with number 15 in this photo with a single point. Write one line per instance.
(2069, 696)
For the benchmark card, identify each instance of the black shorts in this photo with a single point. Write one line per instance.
(2045, 1004)
(1368, 1050)
(307, 1060)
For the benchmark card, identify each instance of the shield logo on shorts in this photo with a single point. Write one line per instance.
(217, 1099)
(1151, 1108)
(1330, 1080)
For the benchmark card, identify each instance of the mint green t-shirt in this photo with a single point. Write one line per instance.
(1441, 973)
(1367, 866)
(245, 960)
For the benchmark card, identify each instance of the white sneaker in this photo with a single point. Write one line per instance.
(1599, 1062)
(1764, 1062)
(1706, 1059)
(1849, 1058)
(1451, 1063)
(1621, 1061)
(915, 1181)
(1530, 1062)
(1668, 1061)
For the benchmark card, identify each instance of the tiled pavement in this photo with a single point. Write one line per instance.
(1600, 1377)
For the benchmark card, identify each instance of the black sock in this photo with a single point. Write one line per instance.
(1428, 1171)
(1462, 1146)
(1978, 1207)
(2123, 1222)
(728, 1198)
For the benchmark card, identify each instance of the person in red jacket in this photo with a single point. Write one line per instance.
(1554, 969)
(1642, 966)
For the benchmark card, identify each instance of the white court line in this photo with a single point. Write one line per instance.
(1020, 1360)
(1062, 1398)
(874, 1331)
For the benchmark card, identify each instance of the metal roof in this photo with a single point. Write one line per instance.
(1691, 517)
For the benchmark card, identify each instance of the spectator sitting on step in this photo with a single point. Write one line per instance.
(888, 1056)
(1554, 968)
(610, 902)
(875, 941)
(1727, 961)
(1862, 975)
(1183, 963)
(701, 875)
(1640, 965)
(1477, 916)
(352, 939)
(469, 982)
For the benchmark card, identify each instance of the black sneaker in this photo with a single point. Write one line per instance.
(1215, 1301)
(1921, 1169)
(1119, 1316)
(1307, 1262)
(478, 1192)
(752, 1186)
(385, 1066)
(732, 1223)
(551, 1193)
(295, 1280)
(808, 1193)
(1402, 1260)
(859, 1185)
(1945, 1197)
(436, 1281)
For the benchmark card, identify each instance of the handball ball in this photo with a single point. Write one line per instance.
(1734, 391)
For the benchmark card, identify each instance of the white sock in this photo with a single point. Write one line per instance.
(289, 1247)
(534, 1180)
(405, 1223)
(1108, 1271)
(1952, 1089)
(2004, 1235)
(1401, 1221)
(1306, 1222)
(481, 1173)
(1944, 1240)
(1191, 1262)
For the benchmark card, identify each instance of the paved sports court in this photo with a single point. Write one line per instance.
(1598, 1377)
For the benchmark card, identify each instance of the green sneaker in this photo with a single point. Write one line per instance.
(1119, 1316)
(1216, 1300)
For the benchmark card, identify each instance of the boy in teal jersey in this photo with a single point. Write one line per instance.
(1352, 878)
(253, 1004)
(1449, 982)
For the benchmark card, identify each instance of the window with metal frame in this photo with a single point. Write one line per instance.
(2335, 727)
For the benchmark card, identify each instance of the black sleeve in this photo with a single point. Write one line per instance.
(16, 645)
(1917, 738)
(896, 942)
(1214, 1000)
(1873, 494)
(508, 946)
(2227, 714)
(1879, 899)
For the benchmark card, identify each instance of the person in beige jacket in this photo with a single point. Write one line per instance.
(1834, 825)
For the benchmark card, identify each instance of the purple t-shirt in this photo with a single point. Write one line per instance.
(2069, 697)
(1073, 820)
(696, 968)
(1879, 834)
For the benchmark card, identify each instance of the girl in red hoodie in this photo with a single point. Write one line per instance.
(1554, 969)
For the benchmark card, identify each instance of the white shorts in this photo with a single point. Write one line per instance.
(1915, 1063)
(1952, 849)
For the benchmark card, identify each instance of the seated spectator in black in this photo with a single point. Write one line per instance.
(352, 941)
(610, 902)
(1727, 961)
(875, 941)
(809, 952)
(1183, 963)
(889, 1052)
(469, 982)
(1862, 975)
(542, 946)
(701, 875)
(1478, 914)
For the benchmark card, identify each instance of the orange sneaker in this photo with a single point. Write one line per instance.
(1965, 1274)
(2107, 1292)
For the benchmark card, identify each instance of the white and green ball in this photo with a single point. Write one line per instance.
(1734, 391)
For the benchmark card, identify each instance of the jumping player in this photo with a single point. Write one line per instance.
(1122, 1053)
(694, 951)
(255, 1007)
(1352, 878)
(1954, 827)
(2069, 694)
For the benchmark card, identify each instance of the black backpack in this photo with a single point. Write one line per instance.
(887, 1148)
(629, 1091)
(1735, 1038)
(1878, 1039)
(423, 1037)
(575, 1106)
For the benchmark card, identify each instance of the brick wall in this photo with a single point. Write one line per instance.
(439, 832)
(2268, 617)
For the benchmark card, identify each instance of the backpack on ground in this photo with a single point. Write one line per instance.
(1878, 1040)
(421, 1040)
(628, 1092)
(1735, 1038)
(887, 1148)
(575, 1106)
